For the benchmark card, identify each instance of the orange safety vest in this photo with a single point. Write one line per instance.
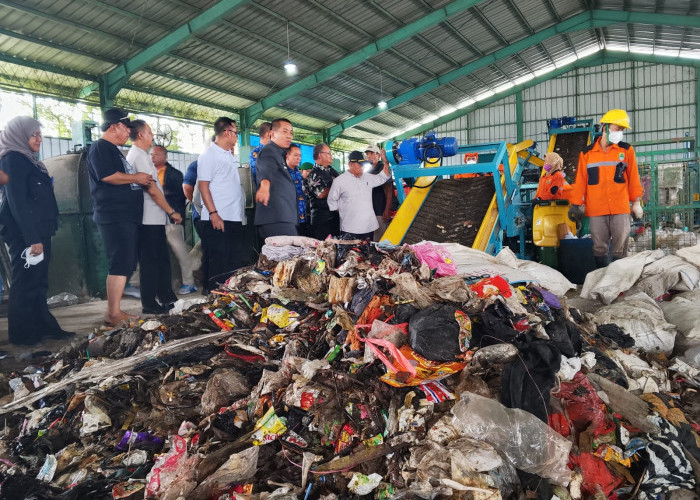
(606, 181)
(552, 186)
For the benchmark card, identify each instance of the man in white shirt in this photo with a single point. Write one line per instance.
(154, 256)
(222, 210)
(351, 196)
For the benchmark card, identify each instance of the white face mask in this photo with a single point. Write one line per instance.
(31, 260)
(615, 136)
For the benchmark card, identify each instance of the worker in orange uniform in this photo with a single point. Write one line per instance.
(607, 180)
(553, 185)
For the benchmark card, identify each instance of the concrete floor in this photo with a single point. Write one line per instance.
(82, 319)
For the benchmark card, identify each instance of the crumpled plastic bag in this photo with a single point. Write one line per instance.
(409, 289)
(238, 467)
(528, 443)
(173, 471)
(364, 485)
(95, 416)
(641, 318)
(223, 388)
(436, 257)
(435, 333)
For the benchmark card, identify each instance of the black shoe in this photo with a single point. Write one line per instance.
(59, 335)
(155, 310)
(169, 305)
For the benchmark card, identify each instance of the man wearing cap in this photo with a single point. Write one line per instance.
(324, 222)
(607, 181)
(381, 195)
(276, 196)
(117, 197)
(351, 196)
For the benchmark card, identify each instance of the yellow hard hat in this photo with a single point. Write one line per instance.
(617, 117)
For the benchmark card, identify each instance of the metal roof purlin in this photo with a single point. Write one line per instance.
(383, 43)
(111, 82)
(585, 20)
(596, 59)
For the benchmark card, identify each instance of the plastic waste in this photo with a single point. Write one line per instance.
(440, 332)
(436, 257)
(63, 299)
(364, 485)
(528, 443)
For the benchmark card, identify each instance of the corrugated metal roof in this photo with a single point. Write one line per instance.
(237, 60)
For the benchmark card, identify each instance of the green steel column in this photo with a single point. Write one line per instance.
(106, 101)
(519, 115)
(697, 106)
(654, 199)
(35, 113)
(244, 129)
(327, 137)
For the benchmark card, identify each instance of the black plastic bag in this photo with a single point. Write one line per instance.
(434, 333)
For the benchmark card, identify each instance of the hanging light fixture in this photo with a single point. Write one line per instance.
(381, 104)
(290, 68)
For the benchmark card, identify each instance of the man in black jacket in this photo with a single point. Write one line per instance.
(171, 180)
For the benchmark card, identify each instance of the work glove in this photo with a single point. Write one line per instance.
(576, 213)
(637, 210)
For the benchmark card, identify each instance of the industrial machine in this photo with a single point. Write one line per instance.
(476, 204)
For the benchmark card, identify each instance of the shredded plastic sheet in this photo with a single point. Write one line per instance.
(528, 443)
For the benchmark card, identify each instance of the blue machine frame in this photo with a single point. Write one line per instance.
(491, 156)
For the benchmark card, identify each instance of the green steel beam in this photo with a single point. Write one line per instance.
(597, 59)
(591, 60)
(44, 67)
(384, 43)
(697, 107)
(519, 116)
(575, 23)
(115, 79)
(585, 20)
(615, 56)
(618, 16)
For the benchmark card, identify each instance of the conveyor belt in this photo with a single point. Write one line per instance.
(453, 211)
(568, 146)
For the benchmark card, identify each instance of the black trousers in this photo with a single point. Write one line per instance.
(154, 267)
(324, 223)
(222, 252)
(358, 236)
(28, 316)
(277, 229)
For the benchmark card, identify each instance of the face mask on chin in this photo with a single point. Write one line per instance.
(547, 167)
(615, 136)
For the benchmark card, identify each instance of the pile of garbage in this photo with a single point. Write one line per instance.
(342, 369)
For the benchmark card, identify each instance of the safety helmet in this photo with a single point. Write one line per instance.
(616, 117)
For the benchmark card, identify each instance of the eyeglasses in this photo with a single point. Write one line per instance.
(326, 153)
(231, 130)
(36, 136)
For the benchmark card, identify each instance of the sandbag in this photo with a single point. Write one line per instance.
(684, 312)
(668, 273)
(643, 320)
(607, 283)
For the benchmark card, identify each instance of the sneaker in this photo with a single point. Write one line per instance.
(186, 289)
(132, 291)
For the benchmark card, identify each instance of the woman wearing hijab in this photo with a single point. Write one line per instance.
(30, 217)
